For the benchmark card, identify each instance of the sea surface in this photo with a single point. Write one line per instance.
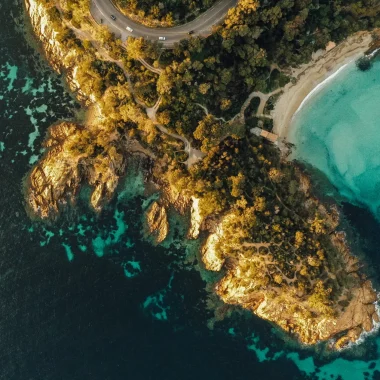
(88, 298)
(336, 133)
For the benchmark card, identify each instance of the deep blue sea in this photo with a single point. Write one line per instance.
(87, 298)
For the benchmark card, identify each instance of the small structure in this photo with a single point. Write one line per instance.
(272, 137)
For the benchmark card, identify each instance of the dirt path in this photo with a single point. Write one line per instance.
(194, 155)
(240, 116)
(150, 67)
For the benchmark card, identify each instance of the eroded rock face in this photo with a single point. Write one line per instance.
(59, 56)
(195, 219)
(156, 225)
(287, 306)
(56, 179)
(42, 27)
(212, 250)
(295, 316)
(210, 255)
(170, 197)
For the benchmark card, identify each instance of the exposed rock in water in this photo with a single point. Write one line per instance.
(156, 225)
(195, 219)
(255, 279)
(70, 160)
(59, 56)
(56, 178)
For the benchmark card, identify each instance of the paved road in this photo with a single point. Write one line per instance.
(202, 25)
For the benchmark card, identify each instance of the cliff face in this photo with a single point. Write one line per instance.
(56, 179)
(212, 250)
(59, 56)
(299, 303)
(156, 225)
(195, 219)
(284, 307)
(256, 278)
(55, 51)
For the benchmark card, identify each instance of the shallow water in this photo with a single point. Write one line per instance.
(338, 132)
(87, 298)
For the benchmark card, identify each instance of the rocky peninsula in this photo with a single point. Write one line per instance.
(275, 245)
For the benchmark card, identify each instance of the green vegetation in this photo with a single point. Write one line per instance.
(163, 13)
(240, 175)
(248, 179)
(222, 70)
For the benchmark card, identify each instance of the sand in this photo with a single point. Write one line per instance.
(309, 76)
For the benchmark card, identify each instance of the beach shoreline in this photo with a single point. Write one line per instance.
(311, 77)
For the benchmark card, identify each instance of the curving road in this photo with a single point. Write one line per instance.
(202, 25)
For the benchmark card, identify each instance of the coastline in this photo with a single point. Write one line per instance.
(104, 168)
(312, 76)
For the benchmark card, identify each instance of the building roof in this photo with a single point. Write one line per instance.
(272, 137)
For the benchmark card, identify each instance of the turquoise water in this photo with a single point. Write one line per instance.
(88, 298)
(338, 131)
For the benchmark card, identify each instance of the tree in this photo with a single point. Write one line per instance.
(135, 47)
(237, 185)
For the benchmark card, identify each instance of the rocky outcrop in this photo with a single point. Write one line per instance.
(56, 179)
(286, 309)
(212, 250)
(40, 19)
(60, 57)
(170, 197)
(195, 219)
(75, 154)
(156, 225)
(211, 255)
(255, 281)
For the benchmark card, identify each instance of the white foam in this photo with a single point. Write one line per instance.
(319, 87)
(370, 56)
(365, 334)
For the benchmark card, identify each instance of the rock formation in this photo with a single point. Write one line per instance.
(195, 219)
(255, 278)
(56, 179)
(59, 56)
(156, 225)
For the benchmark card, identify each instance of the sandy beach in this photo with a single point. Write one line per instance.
(309, 76)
